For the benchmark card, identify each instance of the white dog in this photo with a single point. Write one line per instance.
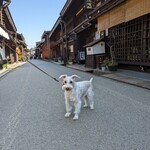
(74, 92)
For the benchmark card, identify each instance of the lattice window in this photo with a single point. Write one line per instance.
(131, 41)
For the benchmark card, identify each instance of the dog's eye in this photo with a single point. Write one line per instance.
(70, 82)
(65, 82)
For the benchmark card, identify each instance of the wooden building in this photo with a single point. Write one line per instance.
(128, 27)
(45, 47)
(10, 40)
(78, 27)
(8, 44)
(21, 47)
(57, 42)
(123, 25)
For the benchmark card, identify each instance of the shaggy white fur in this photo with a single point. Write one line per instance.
(75, 92)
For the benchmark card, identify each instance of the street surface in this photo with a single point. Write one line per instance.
(32, 110)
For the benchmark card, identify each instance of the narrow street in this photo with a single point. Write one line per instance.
(32, 110)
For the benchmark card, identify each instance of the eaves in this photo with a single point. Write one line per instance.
(8, 14)
(65, 8)
(57, 23)
(103, 8)
(45, 33)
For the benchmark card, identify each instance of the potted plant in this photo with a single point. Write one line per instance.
(70, 61)
(104, 64)
(112, 65)
(5, 63)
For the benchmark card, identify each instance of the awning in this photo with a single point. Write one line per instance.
(3, 33)
(94, 42)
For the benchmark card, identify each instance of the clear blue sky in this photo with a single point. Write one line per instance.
(33, 17)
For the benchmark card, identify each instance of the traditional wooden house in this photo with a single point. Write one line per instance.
(57, 47)
(37, 52)
(21, 47)
(125, 26)
(45, 47)
(75, 29)
(128, 28)
(8, 42)
(3, 36)
(87, 29)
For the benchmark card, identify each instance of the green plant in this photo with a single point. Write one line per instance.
(112, 66)
(112, 63)
(105, 61)
(5, 65)
(70, 60)
(103, 65)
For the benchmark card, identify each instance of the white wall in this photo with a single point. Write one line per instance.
(2, 51)
(98, 48)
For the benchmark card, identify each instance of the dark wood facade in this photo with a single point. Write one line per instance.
(9, 43)
(128, 26)
(14, 41)
(131, 41)
(123, 24)
(21, 48)
(45, 47)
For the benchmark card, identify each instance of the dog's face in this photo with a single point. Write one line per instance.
(68, 82)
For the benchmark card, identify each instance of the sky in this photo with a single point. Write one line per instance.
(33, 17)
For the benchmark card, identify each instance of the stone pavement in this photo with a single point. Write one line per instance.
(10, 67)
(140, 79)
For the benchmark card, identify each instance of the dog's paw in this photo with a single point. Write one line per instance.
(67, 114)
(85, 106)
(91, 107)
(75, 117)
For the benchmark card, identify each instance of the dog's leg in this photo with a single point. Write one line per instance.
(77, 109)
(85, 101)
(90, 99)
(68, 109)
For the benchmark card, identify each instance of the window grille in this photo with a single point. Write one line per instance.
(131, 41)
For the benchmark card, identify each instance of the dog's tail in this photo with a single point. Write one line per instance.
(91, 79)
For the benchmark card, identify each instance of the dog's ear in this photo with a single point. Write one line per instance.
(63, 76)
(75, 76)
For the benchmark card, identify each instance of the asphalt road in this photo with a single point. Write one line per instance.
(32, 113)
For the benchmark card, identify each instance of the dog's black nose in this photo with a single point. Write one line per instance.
(67, 89)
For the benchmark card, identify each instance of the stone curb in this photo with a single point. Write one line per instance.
(10, 68)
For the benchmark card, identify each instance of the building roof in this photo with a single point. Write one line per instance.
(66, 6)
(45, 33)
(8, 14)
(94, 42)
